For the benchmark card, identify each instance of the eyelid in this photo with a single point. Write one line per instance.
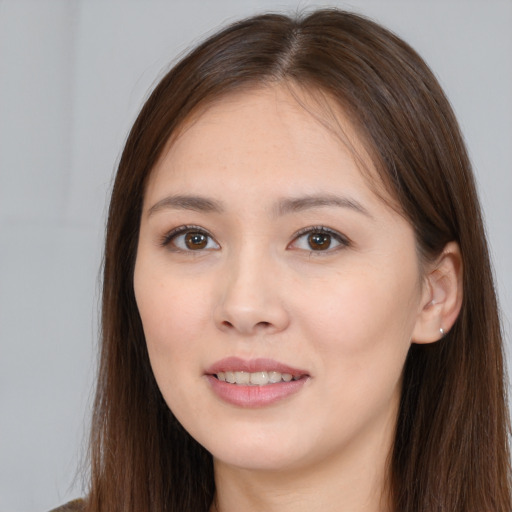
(342, 239)
(168, 237)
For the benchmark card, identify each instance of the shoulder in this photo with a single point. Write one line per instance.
(72, 506)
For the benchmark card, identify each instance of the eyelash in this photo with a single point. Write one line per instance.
(169, 237)
(343, 241)
(322, 230)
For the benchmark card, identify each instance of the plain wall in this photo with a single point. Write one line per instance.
(73, 75)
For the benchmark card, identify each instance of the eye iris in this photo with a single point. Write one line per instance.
(196, 241)
(319, 241)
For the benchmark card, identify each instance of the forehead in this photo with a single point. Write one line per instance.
(276, 134)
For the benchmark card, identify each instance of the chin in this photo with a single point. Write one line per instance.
(257, 460)
(252, 449)
(264, 451)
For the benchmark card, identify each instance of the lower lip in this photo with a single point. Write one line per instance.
(255, 396)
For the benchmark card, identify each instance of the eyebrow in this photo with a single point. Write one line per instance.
(292, 205)
(283, 206)
(186, 202)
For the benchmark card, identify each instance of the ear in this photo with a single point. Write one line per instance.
(442, 296)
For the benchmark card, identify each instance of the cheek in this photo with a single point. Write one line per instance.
(169, 316)
(174, 313)
(173, 318)
(363, 302)
(362, 325)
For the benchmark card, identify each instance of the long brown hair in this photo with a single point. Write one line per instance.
(451, 446)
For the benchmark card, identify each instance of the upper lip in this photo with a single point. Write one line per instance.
(237, 364)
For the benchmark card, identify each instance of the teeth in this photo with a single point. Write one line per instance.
(256, 378)
(274, 377)
(242, 377)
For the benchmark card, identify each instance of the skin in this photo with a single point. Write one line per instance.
(345, 314)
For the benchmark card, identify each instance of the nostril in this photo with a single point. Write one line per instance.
(260, 325)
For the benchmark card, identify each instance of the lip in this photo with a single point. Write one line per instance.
(233, 364)
(254, 396)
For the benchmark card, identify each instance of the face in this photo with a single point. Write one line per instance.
(277, 292)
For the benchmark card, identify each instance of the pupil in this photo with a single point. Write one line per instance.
(319, 241)
(196, 241)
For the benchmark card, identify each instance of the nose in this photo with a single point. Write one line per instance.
(251, 298)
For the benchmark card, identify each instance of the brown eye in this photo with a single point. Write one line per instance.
(319, 241)
(189, 238)
(195, 241)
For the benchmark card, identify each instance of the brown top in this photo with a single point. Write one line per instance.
(72, 506)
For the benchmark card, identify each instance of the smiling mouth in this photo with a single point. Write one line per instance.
(254, 383)
(264, 378)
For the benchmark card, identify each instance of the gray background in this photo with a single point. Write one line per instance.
(73, 75)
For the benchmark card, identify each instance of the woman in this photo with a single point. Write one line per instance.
(298, 308)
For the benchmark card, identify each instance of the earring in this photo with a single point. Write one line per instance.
(443, 334)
